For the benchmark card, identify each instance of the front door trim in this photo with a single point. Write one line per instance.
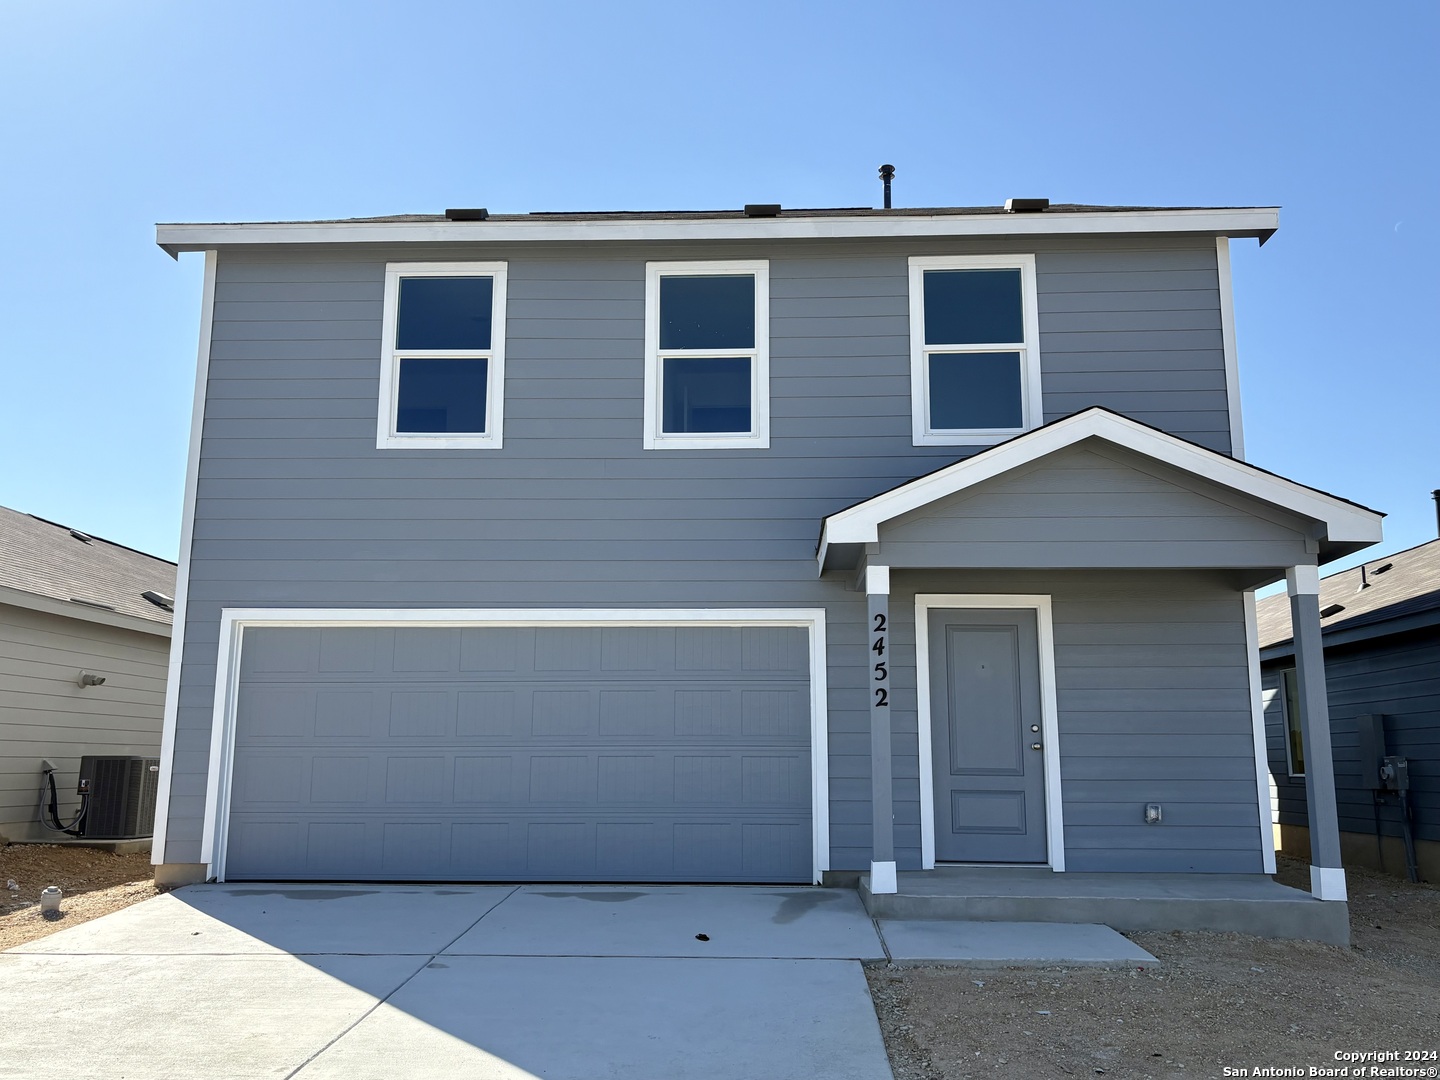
(1049, 711)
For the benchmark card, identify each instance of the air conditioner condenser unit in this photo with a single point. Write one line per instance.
(121, 803)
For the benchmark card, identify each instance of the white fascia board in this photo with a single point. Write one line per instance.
(1237, 222)
(51, 606)
(1343, 521)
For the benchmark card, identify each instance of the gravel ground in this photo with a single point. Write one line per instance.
(94, 882)
(1220, 1000)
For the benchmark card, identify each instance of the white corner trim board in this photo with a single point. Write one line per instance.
(1257, 731)
(234, 622)
(182, 571)
(1256, 221)
(860, 524)
(1049, 712)
(1227, 337)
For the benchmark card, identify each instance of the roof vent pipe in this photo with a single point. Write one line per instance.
(1436, 496)
(887, 173)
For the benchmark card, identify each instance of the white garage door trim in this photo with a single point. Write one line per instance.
(234, 621)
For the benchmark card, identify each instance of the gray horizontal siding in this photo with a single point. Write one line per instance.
(1143, 715)
(296, 506)
(1397, 677)
(1085, 507)
(44, 714)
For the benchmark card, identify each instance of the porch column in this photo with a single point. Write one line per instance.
(1327, 877)
(882, 799)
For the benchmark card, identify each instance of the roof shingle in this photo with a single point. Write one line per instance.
(1388, 587)
(715, 215)
(46, 559)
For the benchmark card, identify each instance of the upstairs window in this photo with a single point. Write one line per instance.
(442, 368)
(974, 349)
(707, 355)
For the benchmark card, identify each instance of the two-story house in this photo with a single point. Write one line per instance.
(742, 546)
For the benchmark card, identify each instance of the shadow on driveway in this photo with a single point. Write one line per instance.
(486, 981)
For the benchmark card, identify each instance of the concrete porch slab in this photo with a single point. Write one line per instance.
(1010, 944)
(517, 1018)
(777, 923)
(297, 919)
(1238, 903)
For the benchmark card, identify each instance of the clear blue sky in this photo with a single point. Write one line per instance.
(118, 115)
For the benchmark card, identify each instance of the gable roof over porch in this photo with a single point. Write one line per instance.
(1097, 489)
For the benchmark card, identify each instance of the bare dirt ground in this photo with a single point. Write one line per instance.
(1218, 1000)
(94, 882)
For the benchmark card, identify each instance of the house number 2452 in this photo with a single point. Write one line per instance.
(877, 646)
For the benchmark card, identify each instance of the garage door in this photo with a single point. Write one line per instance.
(616, 753)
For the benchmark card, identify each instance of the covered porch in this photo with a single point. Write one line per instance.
(1239, 903)
(1064, 701)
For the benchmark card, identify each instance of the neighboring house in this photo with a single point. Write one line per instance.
(589, 547)
(1382, 661)
(71, 604)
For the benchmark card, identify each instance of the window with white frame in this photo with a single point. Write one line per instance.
(707, 355)
(442, 363)
(974, 348)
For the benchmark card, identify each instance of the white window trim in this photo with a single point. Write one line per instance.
(1049, 712)
(759, 435)
(387, 438)
(1029, 349)
(234, 621)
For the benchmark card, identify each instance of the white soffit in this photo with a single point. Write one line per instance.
(1344, 522)
(1258, 222)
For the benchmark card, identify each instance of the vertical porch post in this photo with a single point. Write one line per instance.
(880, 689)
(1327, 877)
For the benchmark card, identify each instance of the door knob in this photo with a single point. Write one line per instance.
(1034, 746)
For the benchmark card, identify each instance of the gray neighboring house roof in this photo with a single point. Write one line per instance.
(1385, 595)
(52, 567)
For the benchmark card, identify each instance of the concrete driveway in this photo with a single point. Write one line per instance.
(391, 982)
